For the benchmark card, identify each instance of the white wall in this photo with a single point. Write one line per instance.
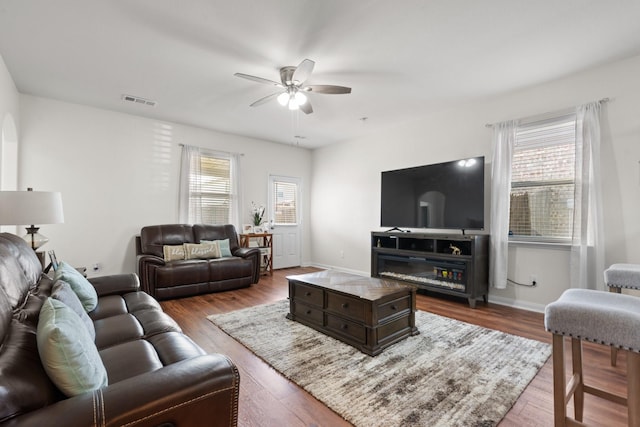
(119, 172)
(9, 108)
(345, 193)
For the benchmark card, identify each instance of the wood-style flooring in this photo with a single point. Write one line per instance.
(269, 399)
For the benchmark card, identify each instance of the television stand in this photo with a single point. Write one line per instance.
(448, 264)
(398, 229)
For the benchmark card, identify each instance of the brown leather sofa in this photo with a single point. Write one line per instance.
(166, 279)
(156, 374)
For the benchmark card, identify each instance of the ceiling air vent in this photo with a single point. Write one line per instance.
(138, 100)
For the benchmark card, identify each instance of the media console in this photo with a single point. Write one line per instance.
(449, 264)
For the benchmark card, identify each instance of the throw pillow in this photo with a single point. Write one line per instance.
(225, 248)
(201, 250)
(173, 252)
(68, 353)
(63, 293)
(80, 285)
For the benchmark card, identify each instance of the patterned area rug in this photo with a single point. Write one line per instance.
(452, 374)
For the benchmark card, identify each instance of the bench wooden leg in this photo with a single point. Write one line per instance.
(614, 350)
(559, 382)
(578, 393)
(633, 384)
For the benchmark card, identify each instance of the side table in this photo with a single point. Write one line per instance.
(264, 242)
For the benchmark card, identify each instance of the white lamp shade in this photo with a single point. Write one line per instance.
(30, 207)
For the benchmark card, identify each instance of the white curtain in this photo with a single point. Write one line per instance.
(190, 206)
(587, 246)
(504, 135)
(189, 155)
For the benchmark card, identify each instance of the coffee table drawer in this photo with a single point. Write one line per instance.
(394, 307)
(347, 328)
(346, 306)
(308, 313)
(307, 294)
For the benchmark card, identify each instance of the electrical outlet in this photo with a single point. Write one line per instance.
(533, 279)
(96, 266)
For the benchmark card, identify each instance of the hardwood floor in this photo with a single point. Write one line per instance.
(269, 399)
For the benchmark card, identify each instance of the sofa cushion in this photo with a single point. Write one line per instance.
(154, 237)
(63, 293)
(173, 252)
(117, 329)
(201, 250)
(129, 359)
(229, 268)
(80, 285)
(68, 353)
(182, 273)
(24, 384)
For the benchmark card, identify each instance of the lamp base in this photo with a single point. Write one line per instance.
(34, 238)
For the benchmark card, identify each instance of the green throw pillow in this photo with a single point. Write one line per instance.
(63, 293)
(67, 352)
(225, 250)
(80, 285)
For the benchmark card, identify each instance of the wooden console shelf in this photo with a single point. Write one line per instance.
(264, 242)
(432, 262)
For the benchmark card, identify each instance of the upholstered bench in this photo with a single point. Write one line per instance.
(600, 317)
(618, 277)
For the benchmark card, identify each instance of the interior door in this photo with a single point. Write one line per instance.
(284, 211)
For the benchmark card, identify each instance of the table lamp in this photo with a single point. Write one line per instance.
(31, 207)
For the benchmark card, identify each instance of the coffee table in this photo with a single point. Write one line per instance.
(365, 312)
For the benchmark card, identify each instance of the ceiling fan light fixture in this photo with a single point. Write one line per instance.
(283, 98)
(293, 104)
(301, 98)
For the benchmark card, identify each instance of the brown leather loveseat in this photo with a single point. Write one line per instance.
(164, 277)
(155, 375)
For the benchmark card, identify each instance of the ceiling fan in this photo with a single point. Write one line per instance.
(293, 89)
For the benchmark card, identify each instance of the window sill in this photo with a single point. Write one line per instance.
(540, 244)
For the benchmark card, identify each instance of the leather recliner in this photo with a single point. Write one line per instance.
(156, 374)
(166, 279)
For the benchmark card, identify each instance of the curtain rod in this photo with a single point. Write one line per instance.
(212, 149)
(490, 125)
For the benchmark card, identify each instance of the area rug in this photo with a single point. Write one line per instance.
(451, 374)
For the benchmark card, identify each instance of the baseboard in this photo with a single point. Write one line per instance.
(523, 305)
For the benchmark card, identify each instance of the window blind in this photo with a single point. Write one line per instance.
(210, 189)
(543, 179)
(286, 204)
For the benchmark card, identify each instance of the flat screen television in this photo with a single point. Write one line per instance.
(446, 195)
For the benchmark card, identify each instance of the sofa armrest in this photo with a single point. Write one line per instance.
(254, 255)
(183, 393)
(115, 284)
(145, 264)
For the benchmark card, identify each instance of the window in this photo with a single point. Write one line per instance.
(211, 193)
(543, 180)
(286, 203)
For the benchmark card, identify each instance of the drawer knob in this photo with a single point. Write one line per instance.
(307, 294)
(345, 305)
(345, 326)
(308, 312)
(393, 307)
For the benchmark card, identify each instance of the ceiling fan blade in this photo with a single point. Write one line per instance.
(258, 79)
(265, 99)
(306, 107)
(303, 71)
(328, 89)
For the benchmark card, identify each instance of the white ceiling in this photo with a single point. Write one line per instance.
(403, 58)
